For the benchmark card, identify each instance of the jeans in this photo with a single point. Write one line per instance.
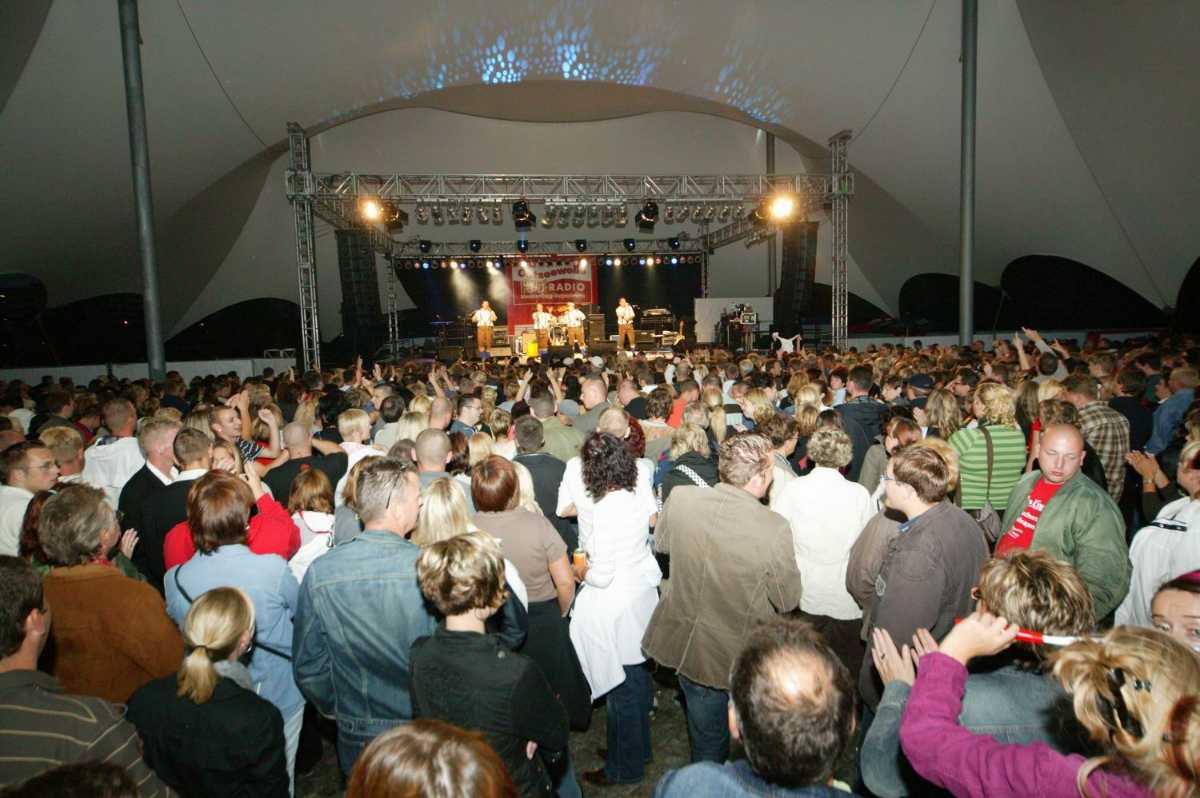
(291, 742)
(629, 705)
(564, 781)
(708, 721)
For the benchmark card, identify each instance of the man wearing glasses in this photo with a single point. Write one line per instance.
(926, 580)
(28, 467)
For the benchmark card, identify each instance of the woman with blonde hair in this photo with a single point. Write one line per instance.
(991, 456)
(942, 415)
(411, 424)
(501, 424)
(1135, 692)
(479, 447)
(444, 514)
(420, 405)
(205, 730)
(714, 403)
(757, 407)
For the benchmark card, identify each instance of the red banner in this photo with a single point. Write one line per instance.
(554, 283)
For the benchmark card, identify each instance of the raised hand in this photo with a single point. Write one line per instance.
(129, 541)
(980, 634)
(890, 664)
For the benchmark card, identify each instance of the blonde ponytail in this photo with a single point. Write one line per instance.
(213, 628)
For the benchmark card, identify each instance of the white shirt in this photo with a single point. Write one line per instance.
(826, 512)
(165, 479)
(574, 318)
(1159, 555)
(786, 344)
(21, 417)
(110, 466)
(484, 317)
(542, 321)
(624, 314)
(13, 503)
(572, 491)
(354, 453)
(316, 538)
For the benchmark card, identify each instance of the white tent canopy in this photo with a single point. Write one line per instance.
(1088, 121)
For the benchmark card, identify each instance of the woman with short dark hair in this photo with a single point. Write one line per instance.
(614, 609)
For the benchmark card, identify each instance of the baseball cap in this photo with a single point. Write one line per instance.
(922, 382)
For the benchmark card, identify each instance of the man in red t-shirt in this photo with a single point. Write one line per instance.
(689, 391)
(1061, 511)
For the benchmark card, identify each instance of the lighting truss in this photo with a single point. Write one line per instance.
(563, 189)
(565, 249)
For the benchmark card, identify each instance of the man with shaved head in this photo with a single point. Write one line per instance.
(299, 443)
(433, 453)
(594, 396)
(440, 413)
(1061, 511)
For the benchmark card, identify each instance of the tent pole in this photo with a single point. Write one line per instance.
(139, 156)
(966, 235)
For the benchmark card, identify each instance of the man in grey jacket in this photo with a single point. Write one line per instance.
(931, 566)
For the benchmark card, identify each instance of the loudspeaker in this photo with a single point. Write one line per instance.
(644, 338)
(602, 348)
(595, 322)
(449, 354)
(555, 354)
(797, 275)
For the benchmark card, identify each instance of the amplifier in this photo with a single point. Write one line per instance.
(595, 327)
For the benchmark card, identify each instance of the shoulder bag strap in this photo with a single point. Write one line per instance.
(188, 598)
(693, 476)
(987, 438)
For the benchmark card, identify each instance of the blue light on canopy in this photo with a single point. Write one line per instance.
(518, 40)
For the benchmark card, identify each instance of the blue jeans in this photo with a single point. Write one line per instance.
(291, 742)
(708, 721)
(629, 705)
(565, 784)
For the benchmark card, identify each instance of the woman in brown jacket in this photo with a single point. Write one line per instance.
(111, 634)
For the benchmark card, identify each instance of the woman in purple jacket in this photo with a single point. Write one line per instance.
(1135, 691)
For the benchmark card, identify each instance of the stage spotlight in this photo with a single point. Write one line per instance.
(425, 264)
(593, 215)
(425, 245)
(488, 264)
(579, 215)
(630, 244)
(709, 213)
(371, 210)
(641, 261)
(475, 245)
(697, 212)
(483, 215)
(453, 264)
(724, 215)
(673, 242)
(422, 215)
(437, 215)
(524, 264)
(669, 215)
(497, 214)
(783, 206)
(674, 260)
(608, 262)
(522, 245)
(583, 264)
(622, 216)
(616, 261)
(581, 245)
(606, 216)
(523, 218)
(647, 216)
(549, 216)
(466, 214)
(462, 265)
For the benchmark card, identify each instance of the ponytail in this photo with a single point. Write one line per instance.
(213, 628)
(197, 676)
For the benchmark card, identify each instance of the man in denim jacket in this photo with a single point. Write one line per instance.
(360, 610)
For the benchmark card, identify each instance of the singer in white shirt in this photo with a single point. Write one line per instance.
(485, 320)
(625, 325)
(541, 327)
(574, 319)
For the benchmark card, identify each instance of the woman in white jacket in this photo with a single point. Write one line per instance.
(310, 501)
(614, 607)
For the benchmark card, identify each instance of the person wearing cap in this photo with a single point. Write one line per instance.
(916, 391)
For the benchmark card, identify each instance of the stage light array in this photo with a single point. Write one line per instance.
(561, 260)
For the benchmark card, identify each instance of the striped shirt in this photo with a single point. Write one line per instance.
(1008, 446)
(42, 728)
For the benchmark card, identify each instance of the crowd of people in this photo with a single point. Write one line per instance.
(895, 571)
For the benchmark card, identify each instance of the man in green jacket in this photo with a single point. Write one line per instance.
(1060, 510)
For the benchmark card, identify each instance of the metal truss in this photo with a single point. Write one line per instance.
(841, 190)
(735, 231)
(444, 249)
(417, 189)
(306, 267)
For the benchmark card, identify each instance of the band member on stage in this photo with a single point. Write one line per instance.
(541, 327)
(785, 346)
(625, 325)
(485, 321)
(574, 319)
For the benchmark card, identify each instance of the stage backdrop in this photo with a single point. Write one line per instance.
(554, 283)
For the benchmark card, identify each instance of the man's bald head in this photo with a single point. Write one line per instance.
(614, 421)
(1060, 453)
(593, 392)
(433, 450)
(297, 437)
(440, 413)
